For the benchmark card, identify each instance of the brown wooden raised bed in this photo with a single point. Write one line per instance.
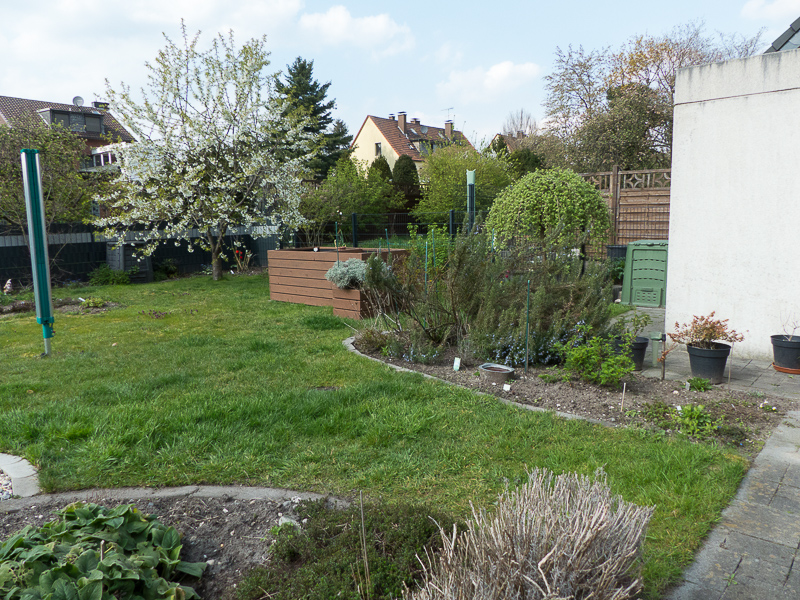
(298, 276)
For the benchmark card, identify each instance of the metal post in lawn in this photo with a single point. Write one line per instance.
(527, 325)
(354, 218)
(37, 234)
(388, 247)
(471, 198)
(452, 223)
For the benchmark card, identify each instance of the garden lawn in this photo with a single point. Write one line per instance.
(192, 381)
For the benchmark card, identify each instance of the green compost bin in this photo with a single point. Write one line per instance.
(644, 282)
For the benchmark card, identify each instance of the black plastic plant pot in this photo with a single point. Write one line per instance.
(786, 352)
(638, 348)
(709, 363)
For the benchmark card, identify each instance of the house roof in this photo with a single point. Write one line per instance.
(11, 109)
(402, 143)
(788, 40)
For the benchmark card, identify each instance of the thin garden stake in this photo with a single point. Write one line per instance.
(433, 238)
(527, 325)
(336, 241)
(426, 267)
(388, 248)
(622, 406)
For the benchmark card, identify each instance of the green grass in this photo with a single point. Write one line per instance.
(229, 387)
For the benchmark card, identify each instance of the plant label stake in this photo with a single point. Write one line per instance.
(37, 235)
(527, 324)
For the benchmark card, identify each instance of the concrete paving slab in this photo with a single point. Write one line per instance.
(25, 486)
(693, 591)
(747, 546)
(762, 522)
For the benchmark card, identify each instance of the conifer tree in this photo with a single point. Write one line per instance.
(304, 96)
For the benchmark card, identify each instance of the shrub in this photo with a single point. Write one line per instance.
(65, 559)
(325, 559)
(405, 171)
(105, 275)
(348, 274)
(597, 362)
(554, 537)
(549, 203)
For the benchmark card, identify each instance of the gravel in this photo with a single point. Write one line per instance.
(5, 486)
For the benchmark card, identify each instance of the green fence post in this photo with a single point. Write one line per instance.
(37, 236)
(354, 218)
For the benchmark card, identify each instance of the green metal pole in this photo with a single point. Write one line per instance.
(433, 239)
(388, 248)
(336, 240)
(426, 267)
(37, 235)
(527, 325)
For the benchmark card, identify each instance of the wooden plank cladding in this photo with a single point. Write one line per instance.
(298, 276)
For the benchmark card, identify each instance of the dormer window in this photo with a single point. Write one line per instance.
(79, 122)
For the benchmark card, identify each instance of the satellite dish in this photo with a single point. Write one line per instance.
(423, 129)
(77, 101)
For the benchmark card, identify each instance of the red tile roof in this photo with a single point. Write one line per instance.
(13, 108)
(402, 143)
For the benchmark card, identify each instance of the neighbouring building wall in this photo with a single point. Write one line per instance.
(734, 234)
(364, 149)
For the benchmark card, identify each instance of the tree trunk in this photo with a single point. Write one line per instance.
(216, 266)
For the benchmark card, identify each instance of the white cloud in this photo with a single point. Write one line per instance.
(776, 9)
(481, 85)
(379, 34)
(448, 55)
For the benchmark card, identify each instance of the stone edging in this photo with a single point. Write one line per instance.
(198, 491)
(348, 343)
(24, 481)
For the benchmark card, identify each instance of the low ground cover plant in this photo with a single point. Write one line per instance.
(93, 553)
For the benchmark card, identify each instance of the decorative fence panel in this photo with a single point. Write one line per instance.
(638, 202)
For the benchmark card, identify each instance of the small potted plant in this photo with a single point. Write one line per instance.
(786, 349)
(625, 333)
(704, 338)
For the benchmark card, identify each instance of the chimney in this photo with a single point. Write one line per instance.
(391, 117)
(415, 121)
(401, 121)
(448, 130)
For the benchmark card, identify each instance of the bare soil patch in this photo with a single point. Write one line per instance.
(232, 535)
(744, 419)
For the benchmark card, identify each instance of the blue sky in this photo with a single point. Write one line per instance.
(473, 62)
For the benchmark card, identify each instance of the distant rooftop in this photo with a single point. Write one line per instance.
(788, 40)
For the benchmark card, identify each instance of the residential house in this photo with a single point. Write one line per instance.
(396, 136)
(94, 123)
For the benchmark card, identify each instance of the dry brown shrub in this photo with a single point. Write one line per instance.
(555, 538)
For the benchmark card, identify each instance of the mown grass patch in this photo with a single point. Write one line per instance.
(229, 387)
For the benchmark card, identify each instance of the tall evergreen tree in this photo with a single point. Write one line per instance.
(405, 171)
(304, 95)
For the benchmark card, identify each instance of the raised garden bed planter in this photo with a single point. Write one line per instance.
(298, 276)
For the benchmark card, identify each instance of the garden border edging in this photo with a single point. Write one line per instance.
(348, 343)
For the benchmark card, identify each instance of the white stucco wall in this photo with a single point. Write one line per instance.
(734, 235)
(364, 145)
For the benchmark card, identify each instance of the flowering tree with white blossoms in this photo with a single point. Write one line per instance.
(214, 150)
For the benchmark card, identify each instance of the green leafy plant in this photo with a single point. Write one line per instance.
(694, 420)
(92, 302)
(596, 362)
(546, 203)
(348, 274)
(105, 275)
(698, 384)
(94, 553)
(630, 326)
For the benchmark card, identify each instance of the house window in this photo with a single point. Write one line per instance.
(77, 121)
(377, 148)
